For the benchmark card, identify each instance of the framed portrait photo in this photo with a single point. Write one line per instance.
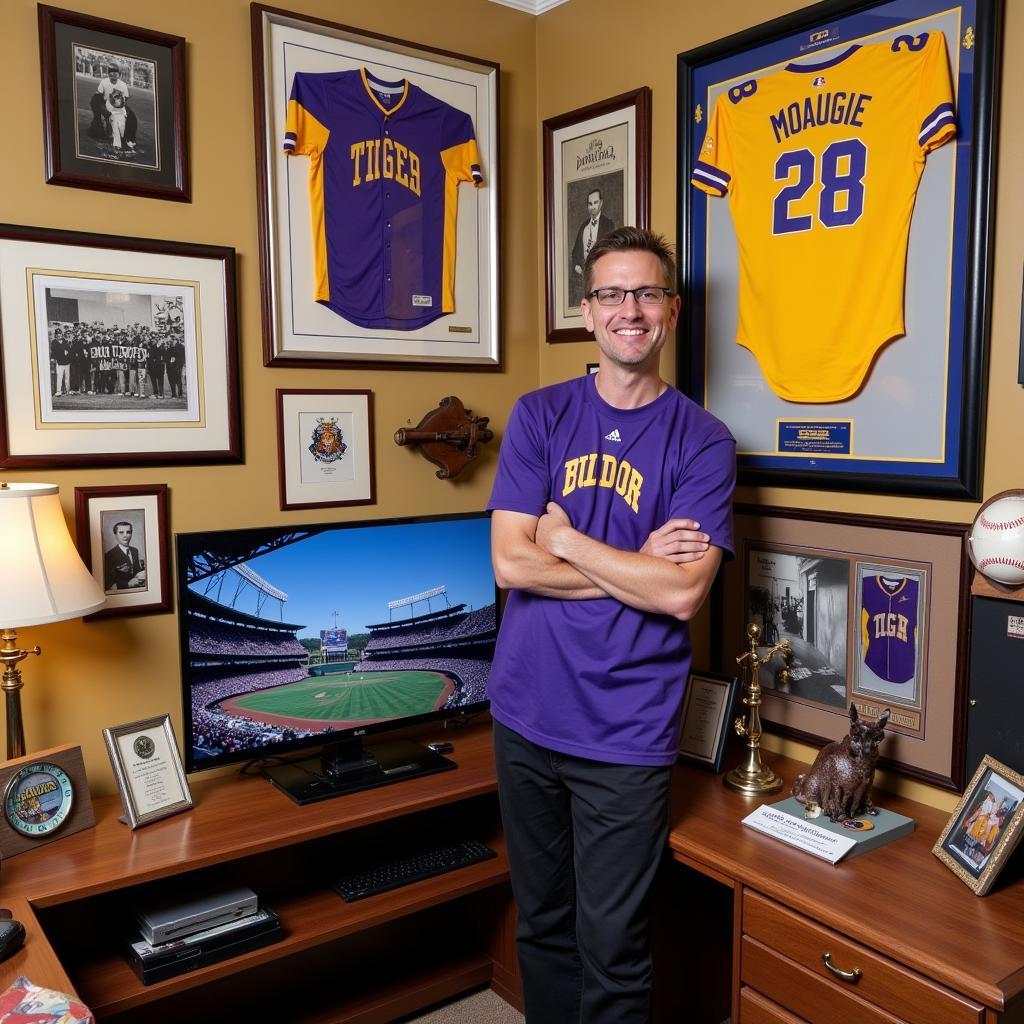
(122, 537)
(415, 154)
(113, 106)
(116, 350)
(707, 718)
(147, 767)
(325, 448)
(836, 197)
(875, 610)
(985, 826)
(597, 177)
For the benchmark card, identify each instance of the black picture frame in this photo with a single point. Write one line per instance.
(80, 149)
(715, 714)
(947, 463)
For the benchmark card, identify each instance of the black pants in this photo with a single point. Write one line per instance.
(584, 842)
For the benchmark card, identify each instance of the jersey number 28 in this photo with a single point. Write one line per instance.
(834, 183)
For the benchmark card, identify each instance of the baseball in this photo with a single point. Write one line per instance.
(997, 540)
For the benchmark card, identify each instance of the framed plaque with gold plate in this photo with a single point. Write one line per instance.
(45, 797)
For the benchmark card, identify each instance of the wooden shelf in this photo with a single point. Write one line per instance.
(310, 918)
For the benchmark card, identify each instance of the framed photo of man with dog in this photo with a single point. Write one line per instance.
(113, 106)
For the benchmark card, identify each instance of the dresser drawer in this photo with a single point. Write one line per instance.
(757, 1009)
(882, 983)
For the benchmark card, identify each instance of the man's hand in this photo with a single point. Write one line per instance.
(553, 520)
(679, 540)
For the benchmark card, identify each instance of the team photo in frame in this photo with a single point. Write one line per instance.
(116, 350)
(875, 610)
(901, 415)
(113, 106)
(597, 177)
(433, 297)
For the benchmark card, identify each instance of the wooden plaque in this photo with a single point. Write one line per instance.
(81, 816)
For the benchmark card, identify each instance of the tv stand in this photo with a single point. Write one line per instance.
(348, 767)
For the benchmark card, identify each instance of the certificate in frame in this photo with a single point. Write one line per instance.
(152, 783)
(707, 718)
(914, 427)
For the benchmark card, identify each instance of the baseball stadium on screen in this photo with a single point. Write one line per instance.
(304, 636)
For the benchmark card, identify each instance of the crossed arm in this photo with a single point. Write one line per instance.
(670, 575)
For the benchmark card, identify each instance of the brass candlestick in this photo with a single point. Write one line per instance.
(754, 777)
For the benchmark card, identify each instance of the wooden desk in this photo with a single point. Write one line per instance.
(368, 961)
(929, 949)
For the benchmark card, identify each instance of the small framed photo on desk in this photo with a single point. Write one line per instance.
(707, 714)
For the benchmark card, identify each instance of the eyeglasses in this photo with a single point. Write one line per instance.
(647, 295)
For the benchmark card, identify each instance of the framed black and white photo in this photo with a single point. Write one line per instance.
(147, 767)
(325, 450)
(875, 610)
(113, 106)
(425, 184)
(597, 177)
(835, 268)
(116, 350)
(985, 827)
(707, 718)
(122, 537)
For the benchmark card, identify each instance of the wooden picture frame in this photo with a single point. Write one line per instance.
(135, 575)
(325, 448)
(821, 580)
(707, 718)
(70, 765)
(299, 327)
(913, 426)
(985, 826)
(116, 351)
(90, 143)
(597, 171)
(147, 767)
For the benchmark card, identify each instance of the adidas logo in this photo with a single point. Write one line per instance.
(613, 436)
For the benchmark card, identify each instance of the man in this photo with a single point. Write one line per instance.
(122, 567)
(102, 99)
(612, 511)
(591, 231)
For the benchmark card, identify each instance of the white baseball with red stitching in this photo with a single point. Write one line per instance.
(997, 541)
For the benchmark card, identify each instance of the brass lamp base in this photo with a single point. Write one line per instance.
(753, 777)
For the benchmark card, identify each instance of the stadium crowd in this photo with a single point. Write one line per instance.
(208, 637)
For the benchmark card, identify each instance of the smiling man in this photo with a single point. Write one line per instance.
(611, 515)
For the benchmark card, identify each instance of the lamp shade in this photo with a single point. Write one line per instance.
(44, 578)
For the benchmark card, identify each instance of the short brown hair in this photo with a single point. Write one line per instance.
(630, 239)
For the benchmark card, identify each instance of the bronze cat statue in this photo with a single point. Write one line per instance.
(839, 781)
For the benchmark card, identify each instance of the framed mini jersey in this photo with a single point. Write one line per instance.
(834, 190)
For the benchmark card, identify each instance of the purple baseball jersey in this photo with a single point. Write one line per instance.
(386, 162)
(888, 619)
(597, 678)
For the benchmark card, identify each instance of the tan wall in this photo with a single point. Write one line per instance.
(107, 673)
(651, 33)
(112, 672)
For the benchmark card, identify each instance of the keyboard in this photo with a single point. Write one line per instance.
(425, 864)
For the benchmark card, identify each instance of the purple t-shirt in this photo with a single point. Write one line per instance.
(597, 678)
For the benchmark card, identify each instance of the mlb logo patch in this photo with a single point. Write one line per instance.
(818, 82)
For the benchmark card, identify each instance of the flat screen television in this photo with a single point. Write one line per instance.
(295, 637)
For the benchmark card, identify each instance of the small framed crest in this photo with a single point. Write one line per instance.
(325, 448)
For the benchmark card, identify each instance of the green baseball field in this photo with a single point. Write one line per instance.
(349, 697)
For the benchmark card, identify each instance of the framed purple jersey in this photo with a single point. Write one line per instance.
(386, 160)
(889, 609)
(377, 248)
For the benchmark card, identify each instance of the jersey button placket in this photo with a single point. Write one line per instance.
(387, 287)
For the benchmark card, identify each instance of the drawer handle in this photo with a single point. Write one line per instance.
(853, 975)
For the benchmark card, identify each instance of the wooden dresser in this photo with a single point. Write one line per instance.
(892, 936)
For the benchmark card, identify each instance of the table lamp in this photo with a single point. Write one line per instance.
(45, 580)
